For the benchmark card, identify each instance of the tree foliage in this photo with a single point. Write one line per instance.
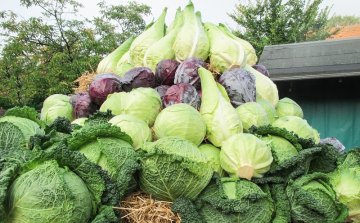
(44, 55)
(347, 20)
(271, 22)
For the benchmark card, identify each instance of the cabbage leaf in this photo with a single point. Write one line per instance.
(146, 39)
(192, 40)
(221, 118)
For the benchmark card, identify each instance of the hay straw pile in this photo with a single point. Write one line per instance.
(84, 81)
(141, 207)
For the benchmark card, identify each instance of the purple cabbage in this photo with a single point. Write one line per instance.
(187, 72)
(239, 85)
(335, 142)
(165, 72)
(76, 96)
(262, 69)
(162, 90)
(107, 75)
(182, 93)
(84, 107)
(100, 89)
(138, 77)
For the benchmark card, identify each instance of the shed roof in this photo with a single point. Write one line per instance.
(310, 60)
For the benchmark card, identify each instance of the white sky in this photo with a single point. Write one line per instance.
(214, 11)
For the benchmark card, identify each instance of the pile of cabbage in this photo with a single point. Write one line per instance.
(185, 114)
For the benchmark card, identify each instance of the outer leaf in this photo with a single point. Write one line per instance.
(178, 21)
(251, 57)
(225, 52)
(265, 88)
(125, 59)
(222, 120)
(172, 168)
(25, 112)
(109, 63)
(142, 43)
(312, 199)
(161, 50)
(192, 40)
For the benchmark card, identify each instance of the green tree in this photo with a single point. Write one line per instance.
(44, 55)
(347, 20)
(271, 22)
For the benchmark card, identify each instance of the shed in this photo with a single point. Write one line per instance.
(323, 77)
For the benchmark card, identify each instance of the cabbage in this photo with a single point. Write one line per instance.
(111, 149)
(239, 85)
(192, 40)
(146, 39)
(212, 155)
(180, 120)
(138, 77)
(262, 69)
(165, 71)
(182, 93)
(109, 63)
(229, 200)
(144, 103)
(27, 127)
(61, 109)
(114, 103)
(335, 142)
(281, 148)
(298, 126)
(178, 21)
(136, 128)
(246, 156)
(125, 59)
(101, 88)
(222, 120)
(173, 167)
(49, 193)
(251, 113)
(269, 108)
(84, 107)
(312, 199)
(161, 50)
(225, 52)
(265, 88)
(79, 121)
(286, 107)
(53, 100)
(251, 57)
(187, 72)
(122, 69)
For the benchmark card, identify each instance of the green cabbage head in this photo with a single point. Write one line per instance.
(181, 120)
(114, 103)
(144, 103)
(135, 127)
(49, 193)
(173, 167)
(191, 40)
(269, 108)
(281, 148)
(212, 155)
(245, 156)
(122, 69)
(146, 39)
(251, 57)
(61, 109)
(222, 120)
(251, 113)
(225, 52)
(313, 199)
(286, 107)
(265, 88)
(298, 126)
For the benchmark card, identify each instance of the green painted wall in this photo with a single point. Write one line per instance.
(332, 106)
